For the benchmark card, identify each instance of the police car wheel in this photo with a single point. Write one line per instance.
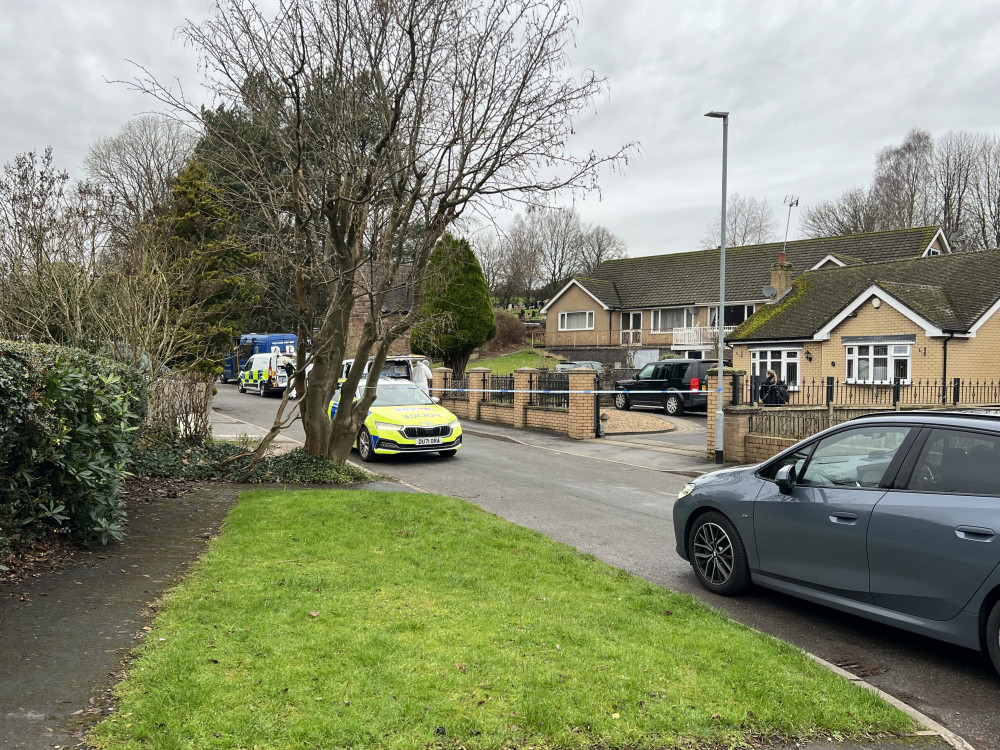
(260, 389)
(242, 387)
(365, 449)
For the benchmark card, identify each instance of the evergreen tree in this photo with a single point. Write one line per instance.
(457, 315)
(210, 291)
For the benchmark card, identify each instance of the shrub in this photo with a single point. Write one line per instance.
(160, 454)
(66, 424)
(510, 335)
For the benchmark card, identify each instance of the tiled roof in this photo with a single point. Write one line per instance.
(689, 278)
(950, 291)
(603, 289)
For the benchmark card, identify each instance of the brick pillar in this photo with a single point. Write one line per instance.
(440, 375)
(581, 405)
(522, 384)
(479, 381)
(713, 402)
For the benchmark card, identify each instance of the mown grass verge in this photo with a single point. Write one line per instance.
(390, 620)
(507, 363)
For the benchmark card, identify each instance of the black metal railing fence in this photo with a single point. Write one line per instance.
(550, 381)
(750, 390)
(501, 390)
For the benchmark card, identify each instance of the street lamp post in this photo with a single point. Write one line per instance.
(719, 417)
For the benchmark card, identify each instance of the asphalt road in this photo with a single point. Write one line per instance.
(614, 499)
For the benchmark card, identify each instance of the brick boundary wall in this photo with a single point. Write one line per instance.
(576, 422)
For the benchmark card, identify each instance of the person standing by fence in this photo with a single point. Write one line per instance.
(772, 391)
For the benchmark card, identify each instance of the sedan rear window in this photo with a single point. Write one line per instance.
(958, 462)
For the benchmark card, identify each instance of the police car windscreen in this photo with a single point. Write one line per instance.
(402, 394)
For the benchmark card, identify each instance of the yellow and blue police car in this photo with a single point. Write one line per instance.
(403, 419)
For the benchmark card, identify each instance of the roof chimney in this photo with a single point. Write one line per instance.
(781, 276)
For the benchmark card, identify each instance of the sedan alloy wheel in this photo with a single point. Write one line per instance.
(717, 554)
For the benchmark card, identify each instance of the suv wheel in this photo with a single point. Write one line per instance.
(673, 405)
(621, 400)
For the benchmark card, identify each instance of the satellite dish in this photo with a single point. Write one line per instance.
(769, 291)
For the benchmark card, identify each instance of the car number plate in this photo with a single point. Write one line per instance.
(429, 441)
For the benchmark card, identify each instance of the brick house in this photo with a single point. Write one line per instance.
(645, 307)
(922, 319)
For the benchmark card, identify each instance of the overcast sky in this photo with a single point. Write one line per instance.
(814, 89)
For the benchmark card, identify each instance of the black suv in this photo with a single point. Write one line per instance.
(673, 384)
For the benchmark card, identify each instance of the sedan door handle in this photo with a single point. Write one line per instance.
(975, 533)
(844, 517)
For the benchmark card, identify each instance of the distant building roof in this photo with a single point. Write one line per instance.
(693, 277)
(951, 292)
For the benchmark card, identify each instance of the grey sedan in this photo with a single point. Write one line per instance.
(893, 517)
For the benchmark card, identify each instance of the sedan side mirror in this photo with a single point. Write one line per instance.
(435, 399)
(785, 479)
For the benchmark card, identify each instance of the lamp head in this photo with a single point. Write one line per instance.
(713, 113)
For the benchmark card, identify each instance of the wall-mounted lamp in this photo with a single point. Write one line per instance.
(808, 356)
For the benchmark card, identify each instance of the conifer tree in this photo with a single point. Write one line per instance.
(457, 315)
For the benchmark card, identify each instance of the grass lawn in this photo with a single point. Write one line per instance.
(323, 619)
(506, 364)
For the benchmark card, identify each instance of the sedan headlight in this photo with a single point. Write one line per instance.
(387, 426)
(686, 490)
(453, 424)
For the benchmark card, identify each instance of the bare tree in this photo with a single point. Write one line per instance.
(522, 259)
(135, 166)
(986, 211)
(559, 233)
(489, 250)
(749, 221)
(855, 212)
(904, 183)
(383, 121)
(598, 245)
(50, 246)
(955, 164)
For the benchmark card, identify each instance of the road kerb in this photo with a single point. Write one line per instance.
(944, 733)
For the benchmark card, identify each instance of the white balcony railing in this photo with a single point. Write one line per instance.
(698, 335)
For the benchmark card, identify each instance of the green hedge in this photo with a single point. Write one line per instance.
(66, 424)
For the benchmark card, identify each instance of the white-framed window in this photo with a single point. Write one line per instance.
(667, 319)
(878, 363)
(784, 362)
(578, 320)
